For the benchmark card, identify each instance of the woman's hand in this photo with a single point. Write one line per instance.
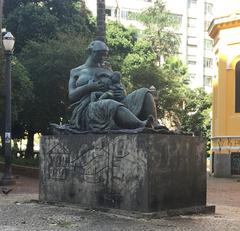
(118, 94)
(97, 86)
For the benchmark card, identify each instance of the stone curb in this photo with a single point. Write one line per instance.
(22, 170)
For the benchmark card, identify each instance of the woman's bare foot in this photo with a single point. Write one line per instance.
(149, 122)
(160, 127)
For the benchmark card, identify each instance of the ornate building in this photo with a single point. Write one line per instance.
(226, 96)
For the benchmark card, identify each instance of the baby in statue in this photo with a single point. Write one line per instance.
(111, 83)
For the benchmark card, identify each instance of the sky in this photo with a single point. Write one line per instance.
(226, 7)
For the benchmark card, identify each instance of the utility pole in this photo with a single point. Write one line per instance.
(117, 12)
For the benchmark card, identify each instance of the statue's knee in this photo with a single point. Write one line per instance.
(149, 97)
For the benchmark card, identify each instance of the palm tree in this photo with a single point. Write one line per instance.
(101, 27)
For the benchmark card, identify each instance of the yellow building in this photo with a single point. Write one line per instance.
(226, 96)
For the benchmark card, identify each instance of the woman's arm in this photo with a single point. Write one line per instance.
(77, 92)
(119, 92)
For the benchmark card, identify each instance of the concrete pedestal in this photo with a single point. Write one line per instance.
(142, 172)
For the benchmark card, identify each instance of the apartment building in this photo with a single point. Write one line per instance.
(194, 18)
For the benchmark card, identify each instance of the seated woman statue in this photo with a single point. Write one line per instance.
(136, 110)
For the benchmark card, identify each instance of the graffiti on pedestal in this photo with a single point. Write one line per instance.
(96, 161)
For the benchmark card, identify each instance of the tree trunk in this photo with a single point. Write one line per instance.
(30, 144)
(101, 27)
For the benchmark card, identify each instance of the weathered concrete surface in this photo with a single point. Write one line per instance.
(222, 165)
(145, 172)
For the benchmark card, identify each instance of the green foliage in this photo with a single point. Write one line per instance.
(31, 22)
(72, 16)
(119, 38)
(160, 29)
(21, 88)
(50, 40)
(21, 91)
(120, 41)
(49, 64)
(196, 116)
(42, 20)
(140, 70)
(174, 85)
(138, 67)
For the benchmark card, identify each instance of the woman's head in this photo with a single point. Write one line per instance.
(98, 50)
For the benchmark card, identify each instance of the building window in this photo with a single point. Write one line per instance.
(208, 62)
(108, 12)
(208, 8)
(124, 14)
(191, 62)
(208, 44)
(192, 50)
(192, 22)
(178, 19)
(192, 41)
(206, 25)
(207, 81)
(237, 87)
(192, 59)
(192, 76)
(192, 3)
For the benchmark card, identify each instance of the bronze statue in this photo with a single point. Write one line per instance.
(98, 99)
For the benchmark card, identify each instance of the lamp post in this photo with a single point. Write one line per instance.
(8, 44)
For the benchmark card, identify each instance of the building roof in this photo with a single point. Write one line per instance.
(224, 22)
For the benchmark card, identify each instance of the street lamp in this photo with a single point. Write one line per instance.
(8, 44)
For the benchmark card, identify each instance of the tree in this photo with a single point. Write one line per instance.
(139, 69)
(73, 16)
(45, 19)
(160, 29)
(49, 64)
(42, 29)
(21, 95)
(170, 80)
(120, 41)
(196, 115)
(31, 18)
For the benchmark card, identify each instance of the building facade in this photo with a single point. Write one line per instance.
(194, 18)
(226, 96)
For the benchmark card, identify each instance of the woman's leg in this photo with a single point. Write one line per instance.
(125, 119)
(149, 107)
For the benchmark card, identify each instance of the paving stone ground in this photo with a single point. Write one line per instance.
(20, 211)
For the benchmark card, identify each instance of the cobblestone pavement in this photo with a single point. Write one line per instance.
(20, 210)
